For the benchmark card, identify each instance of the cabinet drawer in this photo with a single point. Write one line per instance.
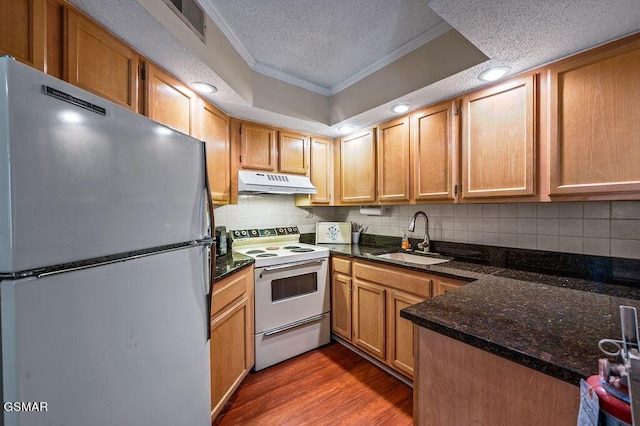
(228, 290)
(416, 283)
(341, 265)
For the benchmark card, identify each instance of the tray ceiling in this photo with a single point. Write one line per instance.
(337, 48)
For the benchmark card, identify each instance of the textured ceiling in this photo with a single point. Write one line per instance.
(324, 45)
(518, 33)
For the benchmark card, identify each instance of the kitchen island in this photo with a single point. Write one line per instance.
(511, 345)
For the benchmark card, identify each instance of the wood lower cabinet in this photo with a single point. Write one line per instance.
(22, 31)
(357, 168)
(366, 302)
(594, 125)
(99, 62)
(232, 336)
(213, 129)
(498, 140)
(400, 331)
(456, 384)
(443, 285)
(369, 313)
(169, 101)
(341, 297)
(434, 149)
(393, 160)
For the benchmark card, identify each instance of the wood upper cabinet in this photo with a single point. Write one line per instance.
(213, 129)
(498, 140)
(594, 123)
(321, 170)
(393, 160)
(232, 336)
(22, 31)
(434, 139)
(169, 101)
(99, 62)
(257, 147)
(293, 152)
(357, 182)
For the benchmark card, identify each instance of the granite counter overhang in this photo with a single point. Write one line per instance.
(549, 323)
(231, 263)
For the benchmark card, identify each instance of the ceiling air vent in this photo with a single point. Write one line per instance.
(191, 13)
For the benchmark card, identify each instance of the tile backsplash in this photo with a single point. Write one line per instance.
(594, 228)
(263, 211)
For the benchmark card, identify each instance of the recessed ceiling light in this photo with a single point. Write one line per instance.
(204, 87)
(345, 129)
(493, 74)
(400, 108)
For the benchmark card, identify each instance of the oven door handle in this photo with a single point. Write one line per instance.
(286, 327)
(291, 265)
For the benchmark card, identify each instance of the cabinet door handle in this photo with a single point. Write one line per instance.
(286, 327)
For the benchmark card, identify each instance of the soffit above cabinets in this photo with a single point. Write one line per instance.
(315, 65)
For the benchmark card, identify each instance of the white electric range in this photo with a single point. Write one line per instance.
(292, 301)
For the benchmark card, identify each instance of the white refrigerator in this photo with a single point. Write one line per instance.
(104, 261)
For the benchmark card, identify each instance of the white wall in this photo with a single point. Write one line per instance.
(596, 228)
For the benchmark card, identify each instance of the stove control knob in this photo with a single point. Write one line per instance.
(254, 232)
(243, 233)
(289, 230)
(236, 233)
(281, 231)
(295, 229)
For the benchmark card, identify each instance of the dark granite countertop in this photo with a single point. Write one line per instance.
(547, 322)
(230, 263)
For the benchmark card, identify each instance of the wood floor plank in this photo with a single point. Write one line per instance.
(330, 385)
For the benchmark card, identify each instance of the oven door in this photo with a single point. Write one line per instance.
(290, 292)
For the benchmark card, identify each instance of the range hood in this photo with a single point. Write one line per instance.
(273, 183)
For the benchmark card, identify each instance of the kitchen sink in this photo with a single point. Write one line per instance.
(413, 258)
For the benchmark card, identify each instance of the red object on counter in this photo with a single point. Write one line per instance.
(609, 403)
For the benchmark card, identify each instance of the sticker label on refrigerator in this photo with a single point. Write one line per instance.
(55, 93)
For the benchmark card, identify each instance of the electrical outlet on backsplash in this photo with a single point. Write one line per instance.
(595, 228)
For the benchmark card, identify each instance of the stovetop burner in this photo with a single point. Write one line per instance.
(275, 246)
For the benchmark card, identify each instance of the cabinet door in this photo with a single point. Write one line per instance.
(214, 131)
(444, 285)
(257, 147)
(369, 318)
(400, 332)
(393, 160)
(434, 147)
(168, 101)
(228, 352)
(293, 153)
(341, 305)
(99, 62)
(595, 125)
(498, 140)
(22, 31)
(358, 168)
(321, 171)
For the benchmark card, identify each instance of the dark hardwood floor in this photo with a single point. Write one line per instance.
(327, 386)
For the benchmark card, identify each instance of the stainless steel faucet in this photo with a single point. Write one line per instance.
(424, 245)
